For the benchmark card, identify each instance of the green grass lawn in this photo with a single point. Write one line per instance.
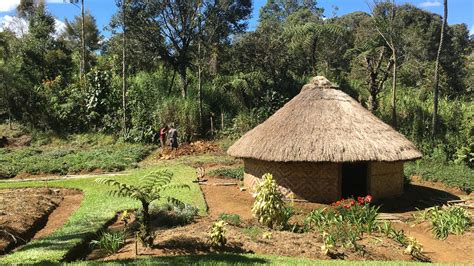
(77, 153)
(96, 209)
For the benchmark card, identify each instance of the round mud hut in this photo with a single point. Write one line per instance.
(323, 145)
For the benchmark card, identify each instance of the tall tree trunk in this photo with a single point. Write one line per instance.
(394, 88)
(184, 81)
(434, 124)
(83, 42)
(200, 88)
(124, 71)
(373, 90)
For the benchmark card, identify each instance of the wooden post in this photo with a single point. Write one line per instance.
(212, 125)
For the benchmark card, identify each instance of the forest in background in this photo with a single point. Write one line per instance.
(195, 64)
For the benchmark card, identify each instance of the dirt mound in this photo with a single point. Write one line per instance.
(21, 217)
(193, 148)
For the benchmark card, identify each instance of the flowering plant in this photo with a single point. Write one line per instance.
(344, 222)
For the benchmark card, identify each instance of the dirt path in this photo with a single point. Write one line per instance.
(454, 249)
(70, 203)
(64, 177)
(226, 199)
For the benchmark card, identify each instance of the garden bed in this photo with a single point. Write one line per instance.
(32, 213)
(247, 236)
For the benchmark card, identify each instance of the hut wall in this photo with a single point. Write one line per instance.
(386, 179)
(316, 182)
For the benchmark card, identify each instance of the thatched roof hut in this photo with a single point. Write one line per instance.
(324, 128)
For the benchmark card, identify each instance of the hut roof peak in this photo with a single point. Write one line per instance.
(318, 82)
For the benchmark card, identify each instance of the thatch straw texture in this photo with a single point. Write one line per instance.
(323, 124)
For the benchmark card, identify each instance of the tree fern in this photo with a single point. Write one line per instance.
(149, 189)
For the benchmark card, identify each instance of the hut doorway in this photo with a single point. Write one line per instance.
(354, 179)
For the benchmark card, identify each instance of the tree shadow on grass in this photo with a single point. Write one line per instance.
(207, 259)
(184, 245)
(416, 197)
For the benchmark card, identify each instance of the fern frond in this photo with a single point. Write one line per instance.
(175, 202)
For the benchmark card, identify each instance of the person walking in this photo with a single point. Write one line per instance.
(173, 137)
(163, 131)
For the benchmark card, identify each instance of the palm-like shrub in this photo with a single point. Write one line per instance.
(269, 207)
(150, 188)
(217, 234)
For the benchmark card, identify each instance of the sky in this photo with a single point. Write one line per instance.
(459, 11)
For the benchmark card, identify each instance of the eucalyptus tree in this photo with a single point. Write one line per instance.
(434, 124)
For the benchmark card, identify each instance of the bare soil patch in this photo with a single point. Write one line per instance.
(31, 213)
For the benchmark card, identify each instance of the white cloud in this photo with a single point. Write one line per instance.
(15, 24)
(8, 5)
(60, 27)
(471, 31)
(20, 26)
(434, 3)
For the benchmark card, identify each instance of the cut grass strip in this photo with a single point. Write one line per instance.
(95, 211)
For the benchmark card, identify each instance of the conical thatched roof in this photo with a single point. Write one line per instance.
(323, 124)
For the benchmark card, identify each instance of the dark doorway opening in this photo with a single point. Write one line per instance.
(354, 180)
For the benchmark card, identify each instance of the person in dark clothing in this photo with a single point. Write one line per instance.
(173, 137)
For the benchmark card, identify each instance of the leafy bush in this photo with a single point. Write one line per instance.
(269, 207)
(216, 234)
(111, 242)
(448, 220)
(236, 173)
(171, 214)
(233, 219)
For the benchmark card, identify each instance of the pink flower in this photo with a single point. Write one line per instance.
(368, 199)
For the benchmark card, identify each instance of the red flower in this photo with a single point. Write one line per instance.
(346, 206)
(368, 199)
(352, 202)
(360, 200)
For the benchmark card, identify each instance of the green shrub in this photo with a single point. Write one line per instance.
(233, 219)
(269, 207)
(454, 175)
(171, 214)
(111, 242)
(449, 220)
(236, 173)
(216, 234)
